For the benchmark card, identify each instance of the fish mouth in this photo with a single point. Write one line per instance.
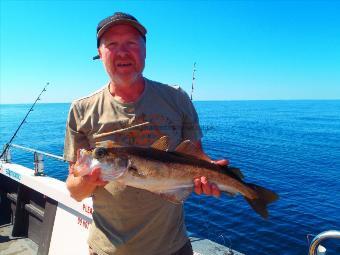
(83, 162)
(82, 156)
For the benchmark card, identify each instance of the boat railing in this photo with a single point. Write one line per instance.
(38, 157)
(315, 248)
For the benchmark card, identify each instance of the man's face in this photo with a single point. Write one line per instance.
(122, 50)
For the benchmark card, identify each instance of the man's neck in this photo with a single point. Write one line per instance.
(127, 92)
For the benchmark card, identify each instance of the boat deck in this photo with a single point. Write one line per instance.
(208, 247)
(10, 245)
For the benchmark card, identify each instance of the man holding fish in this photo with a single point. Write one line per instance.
(135, 113)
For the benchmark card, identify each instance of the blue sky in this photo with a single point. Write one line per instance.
(244, 50)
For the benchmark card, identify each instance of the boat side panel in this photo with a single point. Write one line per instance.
(45, 185)
(71, 230)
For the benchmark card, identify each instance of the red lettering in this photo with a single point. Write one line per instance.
(87, 209)
(83, 223)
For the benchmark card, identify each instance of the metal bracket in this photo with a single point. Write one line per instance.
(6, 157)
(38, 164)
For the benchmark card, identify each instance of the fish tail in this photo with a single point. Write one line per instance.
(264, 197)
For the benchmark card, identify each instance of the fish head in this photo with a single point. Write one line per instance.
(113, 163)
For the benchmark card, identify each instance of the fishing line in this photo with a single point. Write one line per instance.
(308, 236)
(23, 121)
(230, 251)
(203, 202)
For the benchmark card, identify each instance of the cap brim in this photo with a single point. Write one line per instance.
(96, 57)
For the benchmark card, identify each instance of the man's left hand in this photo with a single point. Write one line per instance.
(202, 184)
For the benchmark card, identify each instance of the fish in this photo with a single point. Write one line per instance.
(170, 174)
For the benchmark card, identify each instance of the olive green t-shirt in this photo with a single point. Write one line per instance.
(133, 221)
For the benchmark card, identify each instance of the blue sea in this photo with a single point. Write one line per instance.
(291, 147)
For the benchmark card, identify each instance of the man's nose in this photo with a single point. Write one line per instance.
(122, 50)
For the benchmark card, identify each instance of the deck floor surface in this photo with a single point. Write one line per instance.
(10, 245)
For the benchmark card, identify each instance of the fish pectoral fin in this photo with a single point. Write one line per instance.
(161, 143)
(230, 194)
(177, 196)
(189, 148)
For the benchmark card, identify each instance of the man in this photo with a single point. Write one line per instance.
(130, 110)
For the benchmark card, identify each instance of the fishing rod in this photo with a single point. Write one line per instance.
(23, 121)
(193, 81)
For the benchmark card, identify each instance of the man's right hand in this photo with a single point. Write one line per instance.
(83, 186)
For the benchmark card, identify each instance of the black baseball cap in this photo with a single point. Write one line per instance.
(116, 19)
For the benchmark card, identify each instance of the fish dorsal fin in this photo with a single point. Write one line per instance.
(189, 148)
(236, 171)
(107, 144)
(161, 143)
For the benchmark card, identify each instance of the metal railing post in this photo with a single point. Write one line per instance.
(38, 164)
(320, 237)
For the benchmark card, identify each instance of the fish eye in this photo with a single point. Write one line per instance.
(99, 152)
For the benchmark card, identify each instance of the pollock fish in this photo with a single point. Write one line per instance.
(169, 174)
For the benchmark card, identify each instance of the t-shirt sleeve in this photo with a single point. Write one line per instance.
(191, 129)
(74, 138)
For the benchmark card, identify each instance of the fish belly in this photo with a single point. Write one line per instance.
(157, 185)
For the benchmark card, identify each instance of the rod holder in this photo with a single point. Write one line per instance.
(6, 157)
(38, 164)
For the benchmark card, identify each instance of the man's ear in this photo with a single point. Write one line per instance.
(99, 53)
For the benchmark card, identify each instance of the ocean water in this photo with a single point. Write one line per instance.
(291, 147)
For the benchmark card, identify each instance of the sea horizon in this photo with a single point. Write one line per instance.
(199, 100)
